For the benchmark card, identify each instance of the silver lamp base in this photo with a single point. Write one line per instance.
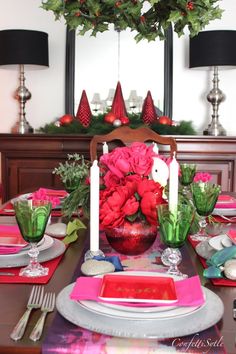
(215, 129)
(22, 127)
(215, 97)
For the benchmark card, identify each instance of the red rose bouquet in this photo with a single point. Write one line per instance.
(128, 193)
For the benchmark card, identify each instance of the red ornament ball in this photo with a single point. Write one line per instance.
(110, 117)
(66, 119)
(165, 120)
(124, 120)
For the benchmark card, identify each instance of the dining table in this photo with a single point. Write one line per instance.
(14, 297)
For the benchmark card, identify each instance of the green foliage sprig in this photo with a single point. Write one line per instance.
(74, 168)
(150, 19)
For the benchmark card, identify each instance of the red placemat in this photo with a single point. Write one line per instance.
(221, 281)
(8, 279)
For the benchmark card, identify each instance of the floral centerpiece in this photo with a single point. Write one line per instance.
(129, 198)
(149, 18)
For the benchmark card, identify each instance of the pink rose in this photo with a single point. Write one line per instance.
(202, 177)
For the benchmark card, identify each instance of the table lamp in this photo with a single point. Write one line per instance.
(23, 47)
(213, 49)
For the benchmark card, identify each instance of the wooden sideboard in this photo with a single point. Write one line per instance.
(27, 160)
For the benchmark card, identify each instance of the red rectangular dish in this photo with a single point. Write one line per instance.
(138, 289)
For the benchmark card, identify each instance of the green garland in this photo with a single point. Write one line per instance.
(149, 19)
(99, 126)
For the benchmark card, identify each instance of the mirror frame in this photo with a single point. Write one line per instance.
(70, 72)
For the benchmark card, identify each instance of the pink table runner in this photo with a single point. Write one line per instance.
(64, 337)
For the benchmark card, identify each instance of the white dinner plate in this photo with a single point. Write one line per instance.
(22, 196)
(44, 244)
(170, 327)
(19, 260)
(224, 211)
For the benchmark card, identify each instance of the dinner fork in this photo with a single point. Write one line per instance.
(47, 306)
(34, 302)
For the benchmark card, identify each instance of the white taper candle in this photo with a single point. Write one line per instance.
(94, 207)
(155, 148)
(105, 148)
(173, 185)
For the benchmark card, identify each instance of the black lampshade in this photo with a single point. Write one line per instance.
(23, 47)
(213, 48)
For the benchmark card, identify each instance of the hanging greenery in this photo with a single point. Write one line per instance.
(99, 126)
(149, 19)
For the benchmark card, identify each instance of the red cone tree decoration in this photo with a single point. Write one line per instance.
(84, 112)
(118, 104)
(148, 112)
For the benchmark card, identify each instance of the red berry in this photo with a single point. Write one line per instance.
(190, 5)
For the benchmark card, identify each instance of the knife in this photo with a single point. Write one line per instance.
(7, 273)
(234, 309)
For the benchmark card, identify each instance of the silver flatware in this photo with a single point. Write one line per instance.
(7, 273)
(47, 306)
(234, 309)
(34, 302)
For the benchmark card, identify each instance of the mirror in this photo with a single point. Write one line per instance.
(81, 68)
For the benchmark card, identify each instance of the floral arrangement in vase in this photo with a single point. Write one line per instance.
(129, 193)
(132, 190)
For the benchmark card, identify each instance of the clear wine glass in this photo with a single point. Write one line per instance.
(174, 229)
(32, 217)
(204, 196)
(188, 172)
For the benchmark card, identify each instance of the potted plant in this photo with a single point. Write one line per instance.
(73, 172)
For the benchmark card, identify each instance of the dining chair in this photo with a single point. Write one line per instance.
(128, 135)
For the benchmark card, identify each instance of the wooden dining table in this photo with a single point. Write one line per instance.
(14, 297)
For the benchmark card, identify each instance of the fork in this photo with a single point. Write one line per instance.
(47, 306)
(34, 302)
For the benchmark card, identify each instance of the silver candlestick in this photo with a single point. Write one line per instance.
(22, 95)
(215, 97)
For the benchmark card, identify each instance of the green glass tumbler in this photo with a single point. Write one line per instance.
(188, 172)
(174, 229)
(204, 196)
(32, 218)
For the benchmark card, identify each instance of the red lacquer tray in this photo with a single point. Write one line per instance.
(138, 289)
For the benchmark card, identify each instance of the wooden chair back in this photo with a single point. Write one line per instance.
(127, 135)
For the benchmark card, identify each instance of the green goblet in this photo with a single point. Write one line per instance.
(174, 229)
(205, 196)
(32, 217)
(188, 172)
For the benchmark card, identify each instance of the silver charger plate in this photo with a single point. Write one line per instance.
(197, 321)
(57, 248)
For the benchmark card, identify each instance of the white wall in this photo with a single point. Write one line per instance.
(47, 86)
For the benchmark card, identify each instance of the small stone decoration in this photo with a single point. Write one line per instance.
(94, 267)
(230, 269)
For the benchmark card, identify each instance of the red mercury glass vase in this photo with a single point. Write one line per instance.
(131, 238)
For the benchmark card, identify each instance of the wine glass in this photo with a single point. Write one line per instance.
(32, 217)
(204, 196)
(174, 228)
(187, 175)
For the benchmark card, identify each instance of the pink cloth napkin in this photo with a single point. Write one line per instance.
(188, 291)
(225, 202)
(10, 249)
